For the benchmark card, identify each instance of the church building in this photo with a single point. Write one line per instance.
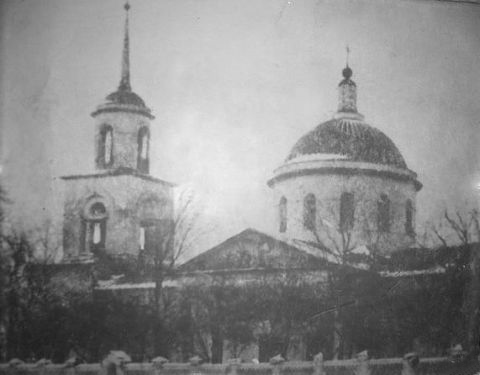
(120, 208)
(344, 190)
(345, 185)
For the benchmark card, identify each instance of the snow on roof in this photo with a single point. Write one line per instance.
(112, 285)
(428, 271)
(318, 156)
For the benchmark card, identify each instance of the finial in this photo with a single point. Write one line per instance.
(347, 89)
(347, 72)
(125, 78)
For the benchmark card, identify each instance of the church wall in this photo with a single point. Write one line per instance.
(122, 196)
(366, 189)
(125, 136)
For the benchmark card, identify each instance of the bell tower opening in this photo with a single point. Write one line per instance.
(105, 147)
(123, 122)
(143, 145)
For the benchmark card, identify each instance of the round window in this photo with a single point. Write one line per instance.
(98, 209)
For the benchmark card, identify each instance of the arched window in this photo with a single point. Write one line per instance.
(108, 147)
(143, 142)
(309, 212)
(94, 227)
(282, 213)
(151, 235)
(347, 211)
(141, 240)
(409, 217)
(383, 212)
(97, 209)
(105, 147)
(155, 231)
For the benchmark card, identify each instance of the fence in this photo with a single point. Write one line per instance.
(117, 363)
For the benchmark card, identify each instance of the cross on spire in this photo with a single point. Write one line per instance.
(125, 78)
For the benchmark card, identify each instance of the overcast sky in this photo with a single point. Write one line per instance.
(233, 85)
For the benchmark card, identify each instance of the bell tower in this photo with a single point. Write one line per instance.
(120, 208)
(122, 123)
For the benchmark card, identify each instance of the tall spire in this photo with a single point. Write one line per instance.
(348, 53)
(124, 99)
(125, 79)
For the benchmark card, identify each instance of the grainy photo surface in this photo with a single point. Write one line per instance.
(202, 187)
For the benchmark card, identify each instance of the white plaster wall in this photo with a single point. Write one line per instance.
(125, 136)
(122, 196)
(366, 189)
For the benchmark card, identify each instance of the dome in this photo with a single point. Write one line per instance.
(124, 100)
(349, 139)
(125, 97)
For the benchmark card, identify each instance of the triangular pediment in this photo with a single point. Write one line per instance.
(252, 249)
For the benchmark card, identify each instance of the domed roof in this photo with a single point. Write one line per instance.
(124, 100)
(351, 139)
(125, 97)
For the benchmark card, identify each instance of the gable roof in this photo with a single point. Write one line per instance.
(252, 249)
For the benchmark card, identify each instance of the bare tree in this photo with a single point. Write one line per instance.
(4, 279)
(339, 234)
(458, 227)
(340, 231)
(174, 239)
(26, 283)
(461, 228)
(46, 240)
